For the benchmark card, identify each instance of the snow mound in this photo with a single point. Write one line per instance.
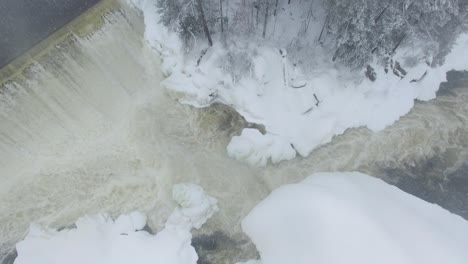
(256, 149)
(99, 239)
(338, 218)
(195, 207)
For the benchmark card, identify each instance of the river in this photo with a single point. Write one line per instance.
(88, 129)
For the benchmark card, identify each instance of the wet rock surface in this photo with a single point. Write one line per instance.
(218, 247)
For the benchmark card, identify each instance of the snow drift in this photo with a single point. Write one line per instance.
(99, 239)
(334, 218)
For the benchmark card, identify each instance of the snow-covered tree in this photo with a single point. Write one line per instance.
(352, 25)
(355, 32)
(362, 29)
(190, 18)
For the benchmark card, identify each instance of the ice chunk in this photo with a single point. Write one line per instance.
(195, 206)
(256, 149)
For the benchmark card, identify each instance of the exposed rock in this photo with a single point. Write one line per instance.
(218, 247)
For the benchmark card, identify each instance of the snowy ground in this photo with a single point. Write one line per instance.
(333, 218)
(300, 111)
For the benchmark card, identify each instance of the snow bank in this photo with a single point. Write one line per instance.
(299, 112)
(333, 218)
(99, 239)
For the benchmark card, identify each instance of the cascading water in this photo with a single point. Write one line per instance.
(88, 129)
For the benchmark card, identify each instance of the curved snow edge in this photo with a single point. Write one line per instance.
(353, 218)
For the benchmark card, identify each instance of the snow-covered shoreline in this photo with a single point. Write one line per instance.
(100, 239)
(353, 218)
(294, 120)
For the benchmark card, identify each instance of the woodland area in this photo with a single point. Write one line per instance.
(355, 31)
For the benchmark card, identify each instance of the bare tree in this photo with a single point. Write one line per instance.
(276, 8)
(323, 29)
(257, 7)
(221, 16)
(265, 22)
(205, 25)
(310, 15)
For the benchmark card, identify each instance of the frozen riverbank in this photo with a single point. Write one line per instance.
(301, 110)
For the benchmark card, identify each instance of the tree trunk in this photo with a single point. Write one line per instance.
(381, 13)
(309, 17)
(205, 25)
(256, 5)
(251, 21)
(226, 22)
(398, 44)
(323, 29)
(266, 18)
(276, 8)
(222, 16)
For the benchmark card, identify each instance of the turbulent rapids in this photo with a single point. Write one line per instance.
(86, 128)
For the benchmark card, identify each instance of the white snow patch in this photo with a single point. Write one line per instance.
(99, 239)
(269, 93)
(257, 149)
(352, 218)
(195, 207)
